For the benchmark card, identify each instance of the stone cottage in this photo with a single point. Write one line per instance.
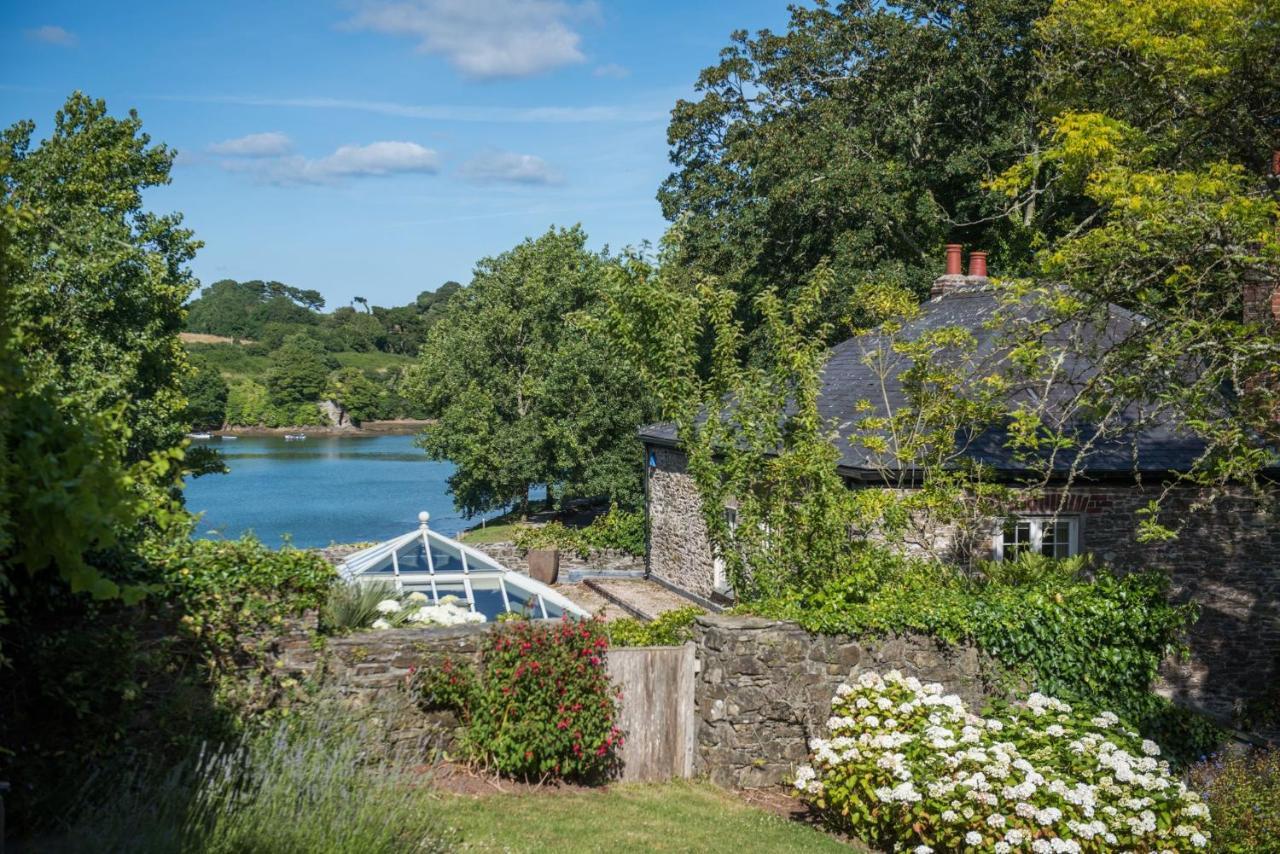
(1227, 557)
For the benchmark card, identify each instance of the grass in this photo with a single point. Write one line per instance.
(493, 532)
(238, 362)
(677, 816)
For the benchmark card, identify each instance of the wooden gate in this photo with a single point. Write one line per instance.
(657, 710)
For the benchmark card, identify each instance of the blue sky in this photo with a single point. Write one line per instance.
(381, 148)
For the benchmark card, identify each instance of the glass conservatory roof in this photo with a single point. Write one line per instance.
(437, 566)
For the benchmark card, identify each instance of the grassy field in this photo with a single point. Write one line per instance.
(493, 532)
(668, 817)
(238, 362)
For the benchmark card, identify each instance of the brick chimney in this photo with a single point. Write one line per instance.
(953, 276)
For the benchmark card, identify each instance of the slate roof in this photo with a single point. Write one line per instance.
(1157, 447)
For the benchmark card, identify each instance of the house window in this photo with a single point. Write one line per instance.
(1050, 536)
(720, 579)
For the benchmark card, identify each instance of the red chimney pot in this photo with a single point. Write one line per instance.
(978, 264)
(954, 251)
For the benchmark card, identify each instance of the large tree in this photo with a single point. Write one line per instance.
(101, 280)
(519, 384)
(300, 369)
(863, 135)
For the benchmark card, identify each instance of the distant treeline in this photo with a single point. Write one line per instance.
(268, 312)
(289, 356)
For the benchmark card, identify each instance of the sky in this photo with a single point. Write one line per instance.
(381, 148)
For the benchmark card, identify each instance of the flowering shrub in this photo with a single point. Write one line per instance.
(540, 703)
(910, 768)
(417, 608)
(1244, 793)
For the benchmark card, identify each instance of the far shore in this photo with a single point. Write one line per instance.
(397, 427)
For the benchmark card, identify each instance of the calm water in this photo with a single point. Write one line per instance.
(323, 490)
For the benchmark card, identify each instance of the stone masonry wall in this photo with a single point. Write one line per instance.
(513, 557)
(679, 547)
(764, 688)
(1226, 559)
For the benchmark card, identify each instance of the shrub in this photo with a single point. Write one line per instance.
(305, 786)
(1068, 628)
(670, 629)
(1243, 793)
(540, 704)
(356, 607)
(907, 766)
(618, 530)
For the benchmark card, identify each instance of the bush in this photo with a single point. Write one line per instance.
(309, 786)
(357, 607)
(1243, 793)
(1068, 628)
(618, 530)
(907, 766)
(540, 704)
(670, 629)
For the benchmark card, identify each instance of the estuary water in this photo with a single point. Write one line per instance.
(322, 490)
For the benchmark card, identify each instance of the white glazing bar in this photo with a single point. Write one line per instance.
(542, 605)
(395, 572)
(466, 581)
(506, 603)
(431, 569)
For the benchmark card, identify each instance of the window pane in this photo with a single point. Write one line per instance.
(1017, 537)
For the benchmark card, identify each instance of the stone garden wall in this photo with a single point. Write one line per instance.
(513, 557)
(764, 688)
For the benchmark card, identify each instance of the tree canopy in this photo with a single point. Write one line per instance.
(521, 386)
(861, 135)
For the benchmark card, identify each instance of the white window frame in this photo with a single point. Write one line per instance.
(719, 572)
(1037, 525)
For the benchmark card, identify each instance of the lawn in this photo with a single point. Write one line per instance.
(492, 532)
(668, 817)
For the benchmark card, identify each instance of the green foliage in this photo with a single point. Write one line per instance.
(670, 629)
(908, 766)
(354, 392)
(241, 309)
(524, 389)
(540, 704)
(1243, 794)
(99, 281)
(861, 135)
(206, 393)
(1064, 627)
(299, 371)
(619, 530)
(309, 785)
(352, 607)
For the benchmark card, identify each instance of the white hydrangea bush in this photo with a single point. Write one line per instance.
(417, 609)
(910, 767)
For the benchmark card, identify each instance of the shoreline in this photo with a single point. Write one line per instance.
(398, 427)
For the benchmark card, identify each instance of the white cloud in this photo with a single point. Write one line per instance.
(510, 168)
(611, 69)
(270, 144)
(348, 161)
(486, 38)
(51, 34)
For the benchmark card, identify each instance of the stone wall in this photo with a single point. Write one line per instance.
(679, 548)
(513, 557)
(764, 688)
(1226, 559)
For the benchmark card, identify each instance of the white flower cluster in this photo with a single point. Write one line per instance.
(910, 766)
(417, 608)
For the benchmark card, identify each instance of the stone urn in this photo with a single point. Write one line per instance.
(544, 565)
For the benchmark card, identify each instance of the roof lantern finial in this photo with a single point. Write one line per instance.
(423, 518)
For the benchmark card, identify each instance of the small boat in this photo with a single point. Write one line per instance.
(199, 435)
(294, 437)
(227, 438)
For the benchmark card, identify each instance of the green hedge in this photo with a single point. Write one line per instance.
(618, 530)
(1070, 629)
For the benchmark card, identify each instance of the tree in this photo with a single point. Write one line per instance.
(301, 367)
(862, 135)
(514, 374)
(206, 393)
(243, 309)
(1152, 170)
(100, 281)
(359, 396)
